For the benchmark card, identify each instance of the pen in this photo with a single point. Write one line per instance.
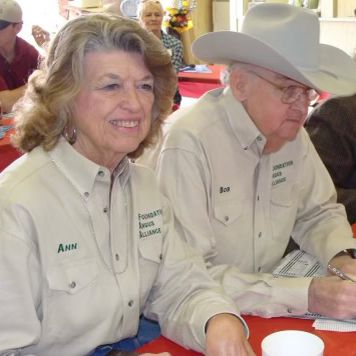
(340, 274)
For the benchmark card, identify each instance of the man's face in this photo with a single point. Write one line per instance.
(8, 34)
(277, 120)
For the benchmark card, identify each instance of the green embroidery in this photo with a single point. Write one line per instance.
(67, 247)
(147, 223)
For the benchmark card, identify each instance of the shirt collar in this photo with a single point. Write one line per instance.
(83, 172)
(243, 127)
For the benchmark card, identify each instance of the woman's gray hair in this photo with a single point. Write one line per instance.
(46, 109)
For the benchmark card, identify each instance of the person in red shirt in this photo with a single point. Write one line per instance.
(18, 59)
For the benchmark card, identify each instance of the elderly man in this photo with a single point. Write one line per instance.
(243, 175)
(18, 59)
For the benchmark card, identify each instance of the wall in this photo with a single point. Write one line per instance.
(339, 32)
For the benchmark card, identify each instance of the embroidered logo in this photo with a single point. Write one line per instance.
(279, 171)
(67, 247)
(224, 189)
(147, 223)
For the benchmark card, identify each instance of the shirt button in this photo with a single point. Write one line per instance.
(259, 269)
(105, 210)
(290, 310)
(101, 174)
(259, 234)
(258, 197)
(130, 303)
(245, 148)
(117, 257)
(259, 138)
(86, 194)
(226, 218)
(72, 285)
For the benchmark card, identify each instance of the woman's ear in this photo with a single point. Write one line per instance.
(240, 84)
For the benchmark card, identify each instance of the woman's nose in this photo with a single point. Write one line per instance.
(130, 100)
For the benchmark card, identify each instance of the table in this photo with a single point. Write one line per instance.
(336, 343)
(195, 84)
(8, 153)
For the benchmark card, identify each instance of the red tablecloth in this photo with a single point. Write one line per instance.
(8, 153)
(195, 84)
(335, 343)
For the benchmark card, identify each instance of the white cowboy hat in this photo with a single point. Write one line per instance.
(284, 39)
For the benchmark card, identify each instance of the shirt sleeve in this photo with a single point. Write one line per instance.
(183, 312)
(19, 284)
(3, 85)
(253, 293)
(177, 55)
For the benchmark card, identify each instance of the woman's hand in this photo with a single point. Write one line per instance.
(225, 336)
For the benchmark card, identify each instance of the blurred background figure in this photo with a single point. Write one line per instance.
(40, 35)
(332, 129)
(150, 16)
(18, 59)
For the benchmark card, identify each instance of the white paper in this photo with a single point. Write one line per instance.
(335, 325)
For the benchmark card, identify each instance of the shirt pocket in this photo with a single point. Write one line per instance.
(227, 212)
(72, 297)
(72, 277)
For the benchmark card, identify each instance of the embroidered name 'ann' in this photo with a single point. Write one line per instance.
(67, 247)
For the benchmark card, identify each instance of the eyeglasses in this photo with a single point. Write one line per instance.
(292, 93)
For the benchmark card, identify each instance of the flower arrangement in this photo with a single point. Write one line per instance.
(179, 16)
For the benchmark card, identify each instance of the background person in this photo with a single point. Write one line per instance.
(243, 175)
(85, 252)
(18, 59)
(150, 16)
(332, 129)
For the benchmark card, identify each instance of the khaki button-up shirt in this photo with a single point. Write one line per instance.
(79, 264)
(239, 207)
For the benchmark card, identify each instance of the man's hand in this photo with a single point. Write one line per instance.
(332, 297)
(225, 336)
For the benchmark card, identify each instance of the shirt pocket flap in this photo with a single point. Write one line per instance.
(227, 212)
(283, 196)
(72, 277)
(151, 248)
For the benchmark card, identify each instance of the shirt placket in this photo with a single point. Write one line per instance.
(124, 257)
(262, 227)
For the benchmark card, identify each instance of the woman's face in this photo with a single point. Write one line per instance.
(151, 17)
(112, 112)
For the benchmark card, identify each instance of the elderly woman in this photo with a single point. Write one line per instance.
(150, 15)
(87, 241)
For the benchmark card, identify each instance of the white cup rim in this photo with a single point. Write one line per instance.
(267, 342)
